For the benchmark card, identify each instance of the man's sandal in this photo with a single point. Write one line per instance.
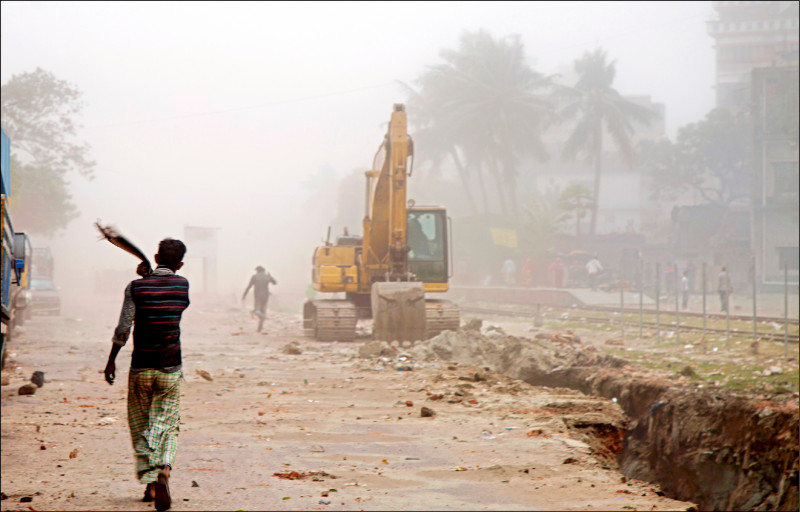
(147, 498)
(163, 498)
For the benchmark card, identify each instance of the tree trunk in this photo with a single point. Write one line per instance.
(499, 182)
(482, 186)
(464, 180)
(598, 166)
(511, 186)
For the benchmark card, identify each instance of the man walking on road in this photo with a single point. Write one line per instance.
(260, 283)
(153, 305)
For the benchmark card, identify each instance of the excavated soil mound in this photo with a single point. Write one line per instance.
(724, 451)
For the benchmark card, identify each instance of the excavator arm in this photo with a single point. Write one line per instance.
(384, 247)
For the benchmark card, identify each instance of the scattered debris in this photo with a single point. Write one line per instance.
(38, 378)
(205, 375)
(108, 420)
(537, 432)
(375, 349)
(316, 476)
(27, 389)
(292, 348)
(473, 325)
(425, 412)
(73, 453)
(195, 484)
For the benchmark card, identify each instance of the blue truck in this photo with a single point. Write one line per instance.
(15, 249)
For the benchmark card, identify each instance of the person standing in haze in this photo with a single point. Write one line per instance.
(260, 283)
(593, 268)
(153, 306)
(509, 271)
(557, 271)
(724, 288)
(685, 289)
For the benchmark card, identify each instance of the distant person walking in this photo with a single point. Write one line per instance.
(593, 268)
(557, 272)
(260, 282)
(724, 288)
(509, 272)
(685, 289)
(526, 273)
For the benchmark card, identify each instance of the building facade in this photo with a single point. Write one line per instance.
(775, 198)
(749, 35)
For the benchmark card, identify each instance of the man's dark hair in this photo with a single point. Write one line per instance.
(170, 252)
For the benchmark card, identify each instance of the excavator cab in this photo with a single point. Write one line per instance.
(428, 240)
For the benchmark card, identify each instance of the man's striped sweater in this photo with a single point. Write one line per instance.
(157, 303)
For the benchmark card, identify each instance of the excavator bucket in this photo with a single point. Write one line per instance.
(398, 311)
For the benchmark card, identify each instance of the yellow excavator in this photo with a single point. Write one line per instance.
(386, 274)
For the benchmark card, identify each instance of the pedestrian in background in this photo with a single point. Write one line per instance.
(685, 289)
(153, 306)
(526, 273)
(593, 268)
(724, 288)
(509, 271)
(260, 282)
(557, 272)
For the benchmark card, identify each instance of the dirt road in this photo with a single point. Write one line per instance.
(354, 423)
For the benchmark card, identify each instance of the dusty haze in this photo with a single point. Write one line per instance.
(245, 116)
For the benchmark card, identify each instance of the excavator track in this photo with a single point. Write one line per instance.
(330, 320)
(441, 315)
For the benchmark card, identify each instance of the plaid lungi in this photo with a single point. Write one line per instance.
(154, 418)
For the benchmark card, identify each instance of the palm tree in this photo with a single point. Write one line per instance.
(541, 220)
(599, 108)
(487, 105)
(576, 199)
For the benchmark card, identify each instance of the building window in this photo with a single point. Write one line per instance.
(785, 180)
(788, 256)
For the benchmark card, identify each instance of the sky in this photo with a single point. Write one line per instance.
(228, 114)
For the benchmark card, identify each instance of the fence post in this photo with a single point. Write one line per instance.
(728, 326)
(704, 307)
(677, 305)
(641, 295)
(786, 310)
(622, 306)
(658, 302)
(755, 316)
